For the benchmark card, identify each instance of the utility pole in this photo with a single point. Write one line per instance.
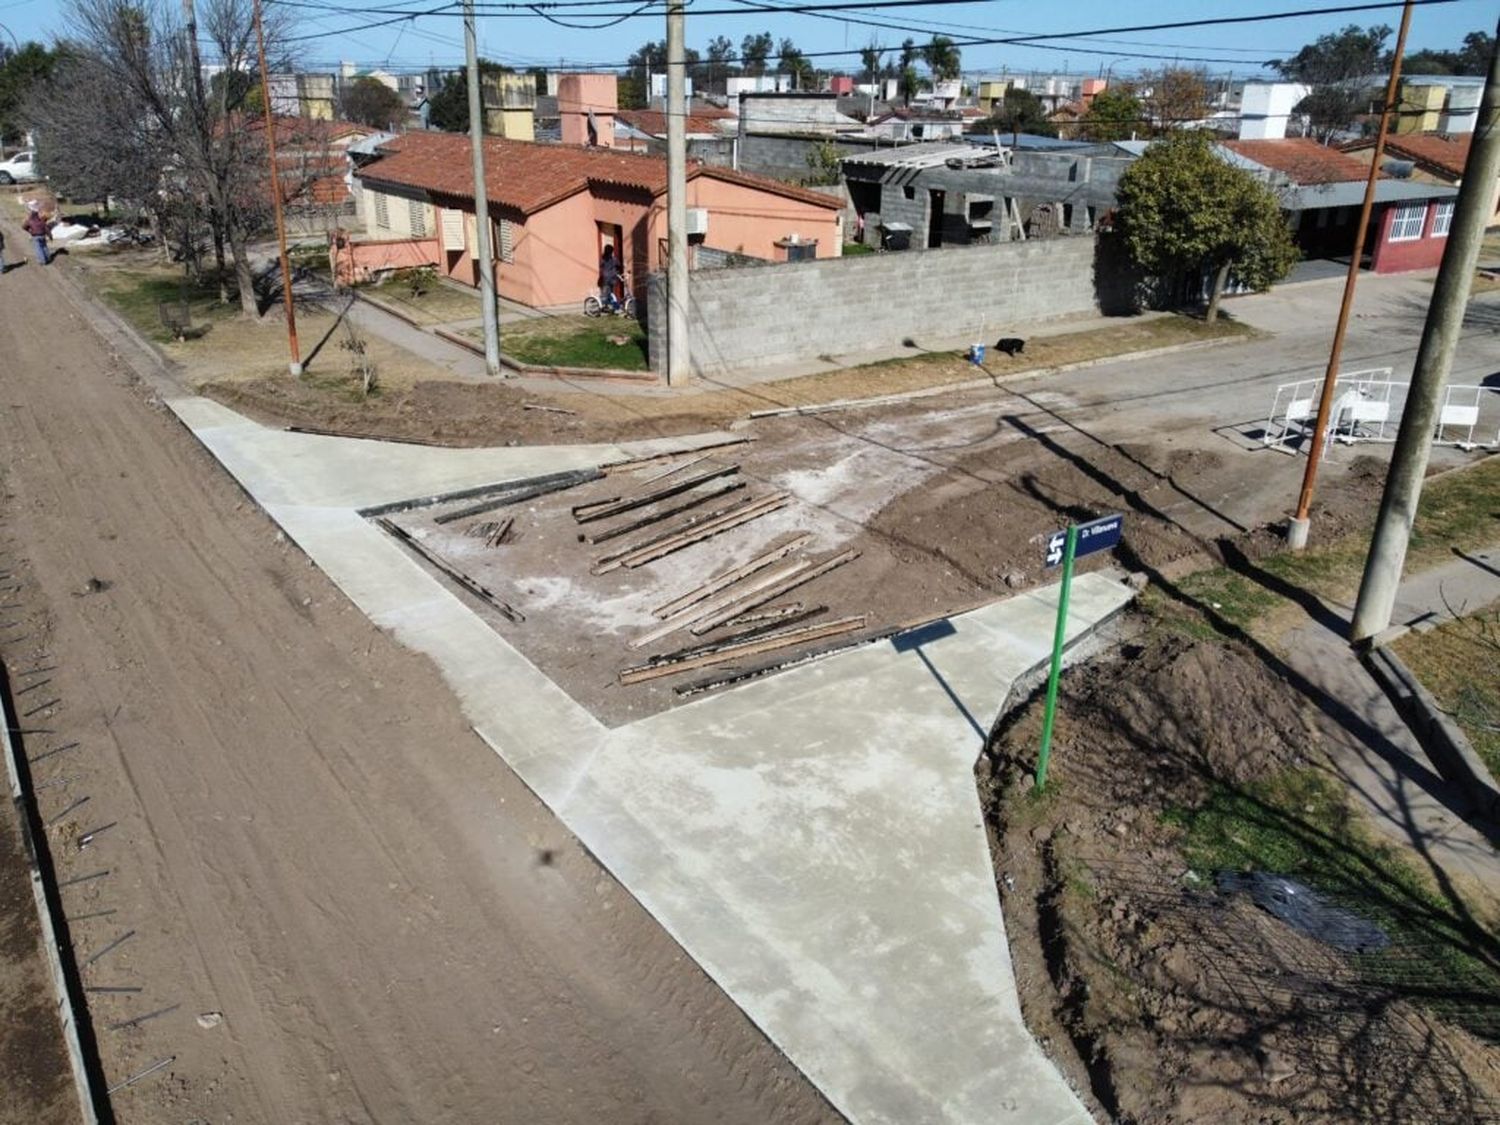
(488, 306)
(1445, 316)
(294, 356)
(1296, 534)
(678, 369)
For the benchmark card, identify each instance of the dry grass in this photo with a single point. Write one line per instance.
(1456, 662)
(438, 303)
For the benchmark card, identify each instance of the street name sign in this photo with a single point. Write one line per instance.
(1096, 535)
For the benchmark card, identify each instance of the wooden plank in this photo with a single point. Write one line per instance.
(697, 612)
(531, 492)
(765, 627)
(508, 611)
(725, 653)
(603, 509)
(665, 513)
(675, 469)
(634, 463)
(729, 577)
(775, 613)
(707, 531)
(774, 592)
(613, 562)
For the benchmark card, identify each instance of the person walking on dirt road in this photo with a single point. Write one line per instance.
(36, 226)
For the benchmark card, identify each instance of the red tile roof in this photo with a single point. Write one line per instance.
(1302, 160)
(1438, 153)
(530, 177)
(653, 122)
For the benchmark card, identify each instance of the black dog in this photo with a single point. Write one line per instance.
(1010, 345)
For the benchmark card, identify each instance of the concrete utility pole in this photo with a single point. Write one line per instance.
(1445, 317)
(678, 368)
(294, 354)
(1296, 534)
(488, 305)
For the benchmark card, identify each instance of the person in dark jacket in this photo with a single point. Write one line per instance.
(609, 278)
(36, 226)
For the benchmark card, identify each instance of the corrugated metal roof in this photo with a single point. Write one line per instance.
(1351, 194)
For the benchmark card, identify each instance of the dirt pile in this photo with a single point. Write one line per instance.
(1160, 997)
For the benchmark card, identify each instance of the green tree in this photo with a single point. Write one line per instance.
(1184, 211)
(869, 57)
(825, 164)
(942, 58)
(1338, 67)
(369, 101)
(1021, 111)
(1471, 59)
(21, 72)
(1115, 114)
(790, 60)
(755, 50)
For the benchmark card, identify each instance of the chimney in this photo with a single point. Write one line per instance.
(586, 105)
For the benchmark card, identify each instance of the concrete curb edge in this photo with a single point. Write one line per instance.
(67, 1003)
(1444, 742)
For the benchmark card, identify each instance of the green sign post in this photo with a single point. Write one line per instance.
(1062, 548)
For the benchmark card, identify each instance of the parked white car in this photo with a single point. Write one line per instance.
(19, 169)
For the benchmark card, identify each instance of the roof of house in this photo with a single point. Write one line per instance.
(1302, 160)
(653, 122)
(1349, 193)
(530, 177)
(1441, 153)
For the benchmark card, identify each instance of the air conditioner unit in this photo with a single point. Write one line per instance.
(697, 221)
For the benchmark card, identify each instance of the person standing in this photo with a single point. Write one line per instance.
(609, 278)
(36, 226)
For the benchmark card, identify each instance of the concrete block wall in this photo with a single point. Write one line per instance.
(798, 311)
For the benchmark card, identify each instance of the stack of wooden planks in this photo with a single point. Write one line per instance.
(687, 503)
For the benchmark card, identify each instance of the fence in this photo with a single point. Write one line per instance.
(1368, 405)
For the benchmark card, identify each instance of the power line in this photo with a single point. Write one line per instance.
(1039, 40)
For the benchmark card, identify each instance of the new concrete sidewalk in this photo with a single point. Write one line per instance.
(814, 839)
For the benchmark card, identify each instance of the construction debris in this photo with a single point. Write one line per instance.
(603, 509)
(616, 560)
(657, 517)
(754, 601)
(522, 490)
(750, 510)
(729, 577)
(548, 409)
(694, 613)
(637, 463)
(488, 596)
(721, 654)
(664, 473)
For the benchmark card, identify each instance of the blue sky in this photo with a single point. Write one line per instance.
(437, 40)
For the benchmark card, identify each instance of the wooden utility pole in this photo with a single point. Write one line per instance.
(678, 368)
(488, 305)
(294, 362)
(1445, 318)
(1297, 530)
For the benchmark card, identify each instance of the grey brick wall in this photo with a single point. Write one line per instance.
(798, 311)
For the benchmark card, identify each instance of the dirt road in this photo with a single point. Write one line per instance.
(347, 907)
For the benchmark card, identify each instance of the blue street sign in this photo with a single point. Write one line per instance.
(1096, 535)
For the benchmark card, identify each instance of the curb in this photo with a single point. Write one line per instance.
(68, 1004)
(1446, 746)
(994, 380)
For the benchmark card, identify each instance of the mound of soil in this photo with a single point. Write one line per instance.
(1162, 1000)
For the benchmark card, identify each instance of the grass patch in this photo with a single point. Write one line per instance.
(136, 295)
(1457, 510)
(1299, 824)
(1456, 662)
(428, 301)
(576, 342)
(855, 249)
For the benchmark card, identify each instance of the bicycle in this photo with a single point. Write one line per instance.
(594, 305)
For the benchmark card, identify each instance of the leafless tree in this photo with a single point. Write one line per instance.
(213, 151)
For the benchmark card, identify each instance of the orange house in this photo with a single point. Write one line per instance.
(553, 208)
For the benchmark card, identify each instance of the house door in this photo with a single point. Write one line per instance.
(935, 201)
(611, 234)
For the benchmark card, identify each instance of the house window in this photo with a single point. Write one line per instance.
(382, 211)
(507, 241)
(1407, 225)
(417, 216)
(453, 230)
(1067, 216)
(909, 191)
(1442, 220)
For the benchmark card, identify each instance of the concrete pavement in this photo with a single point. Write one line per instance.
(814, 839)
